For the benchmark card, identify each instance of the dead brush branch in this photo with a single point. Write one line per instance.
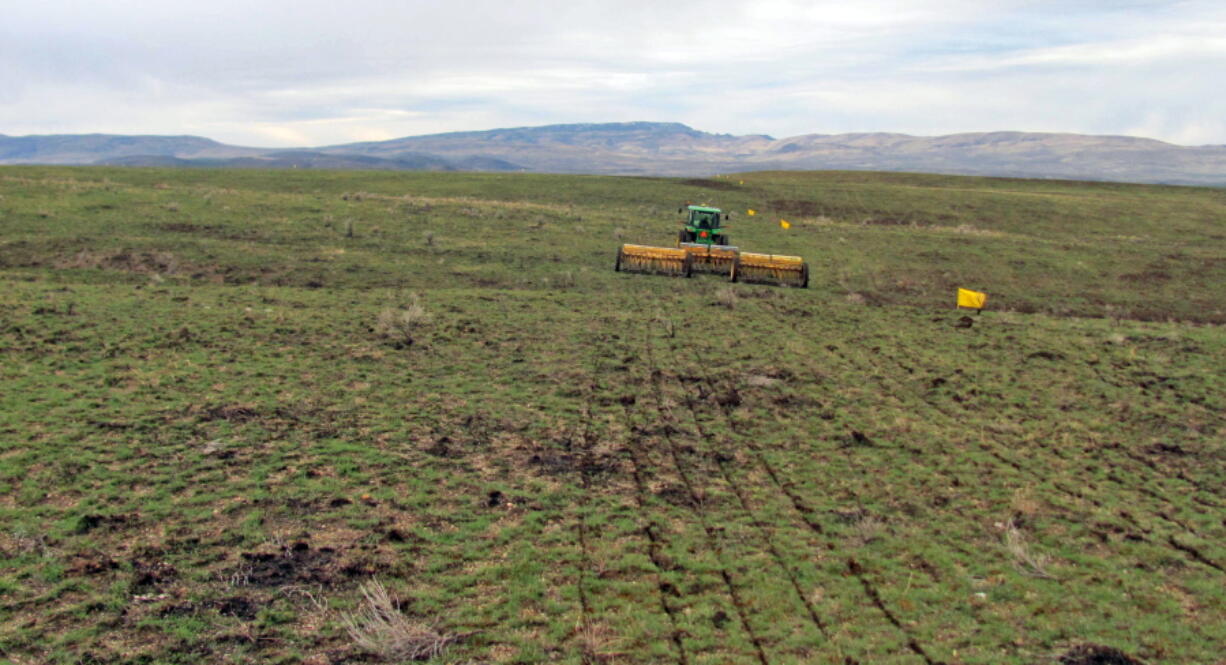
(380, 628)
(1024, 560)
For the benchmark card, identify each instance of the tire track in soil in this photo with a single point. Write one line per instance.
(1058, 452)
(1179, 474)
(695, 502)
(588, 657)
(1192, 553)
(988, 449)
(804, 512)
(1041, 476)
(650, 530)
(721, 457)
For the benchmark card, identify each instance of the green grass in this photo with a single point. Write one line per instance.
(210, 437)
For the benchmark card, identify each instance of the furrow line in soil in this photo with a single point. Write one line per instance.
(1044, 475)
(1161, 514)
(695, 502)
(1059, 452)
(722, 458)
(585, 557)
(804, 512)
(722, 461)
(588, 468)
(652, 532)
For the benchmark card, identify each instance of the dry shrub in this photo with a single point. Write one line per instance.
(1024, 560)
(380, 627)
(868, 529)
(598, 642)
(402, 325)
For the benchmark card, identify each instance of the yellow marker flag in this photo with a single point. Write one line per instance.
(784, 223)
(751, 212)
(971, 299)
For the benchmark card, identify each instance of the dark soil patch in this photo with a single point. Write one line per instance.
(237, 606)
(1046, 355)
(675, 495)
(295, 564)
(126, 261)
(235, 413)
(214, 230)
(91, 521)
(707, 183)
(567, 463)
(185, 227)
(90, 563)
(1173, 449)
(857, 438)
(1146, 277)
(446, 448)
(149, 573)
(730, 398)
(797, 208)
(1096, 654)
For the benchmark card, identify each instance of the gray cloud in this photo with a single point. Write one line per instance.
(312, 73)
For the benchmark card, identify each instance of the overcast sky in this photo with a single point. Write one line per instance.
(306, 73)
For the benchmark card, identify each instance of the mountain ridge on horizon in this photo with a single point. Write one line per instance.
(664, 149)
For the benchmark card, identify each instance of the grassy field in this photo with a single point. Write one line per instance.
(234, 405)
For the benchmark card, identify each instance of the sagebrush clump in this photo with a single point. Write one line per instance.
(403, 326)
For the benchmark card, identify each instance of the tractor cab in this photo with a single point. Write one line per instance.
(703, 225)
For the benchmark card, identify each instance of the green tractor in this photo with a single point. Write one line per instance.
(702, 246)
(704, 226)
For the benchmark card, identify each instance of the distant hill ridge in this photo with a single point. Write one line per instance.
(665, 148)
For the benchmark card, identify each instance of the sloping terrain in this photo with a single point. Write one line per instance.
(235, 398)
(90, 148)
(652, 148)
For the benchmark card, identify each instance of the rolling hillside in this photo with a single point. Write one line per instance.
(646, 148)
(311, 417)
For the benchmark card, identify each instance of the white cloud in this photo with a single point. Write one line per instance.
(312, 73)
